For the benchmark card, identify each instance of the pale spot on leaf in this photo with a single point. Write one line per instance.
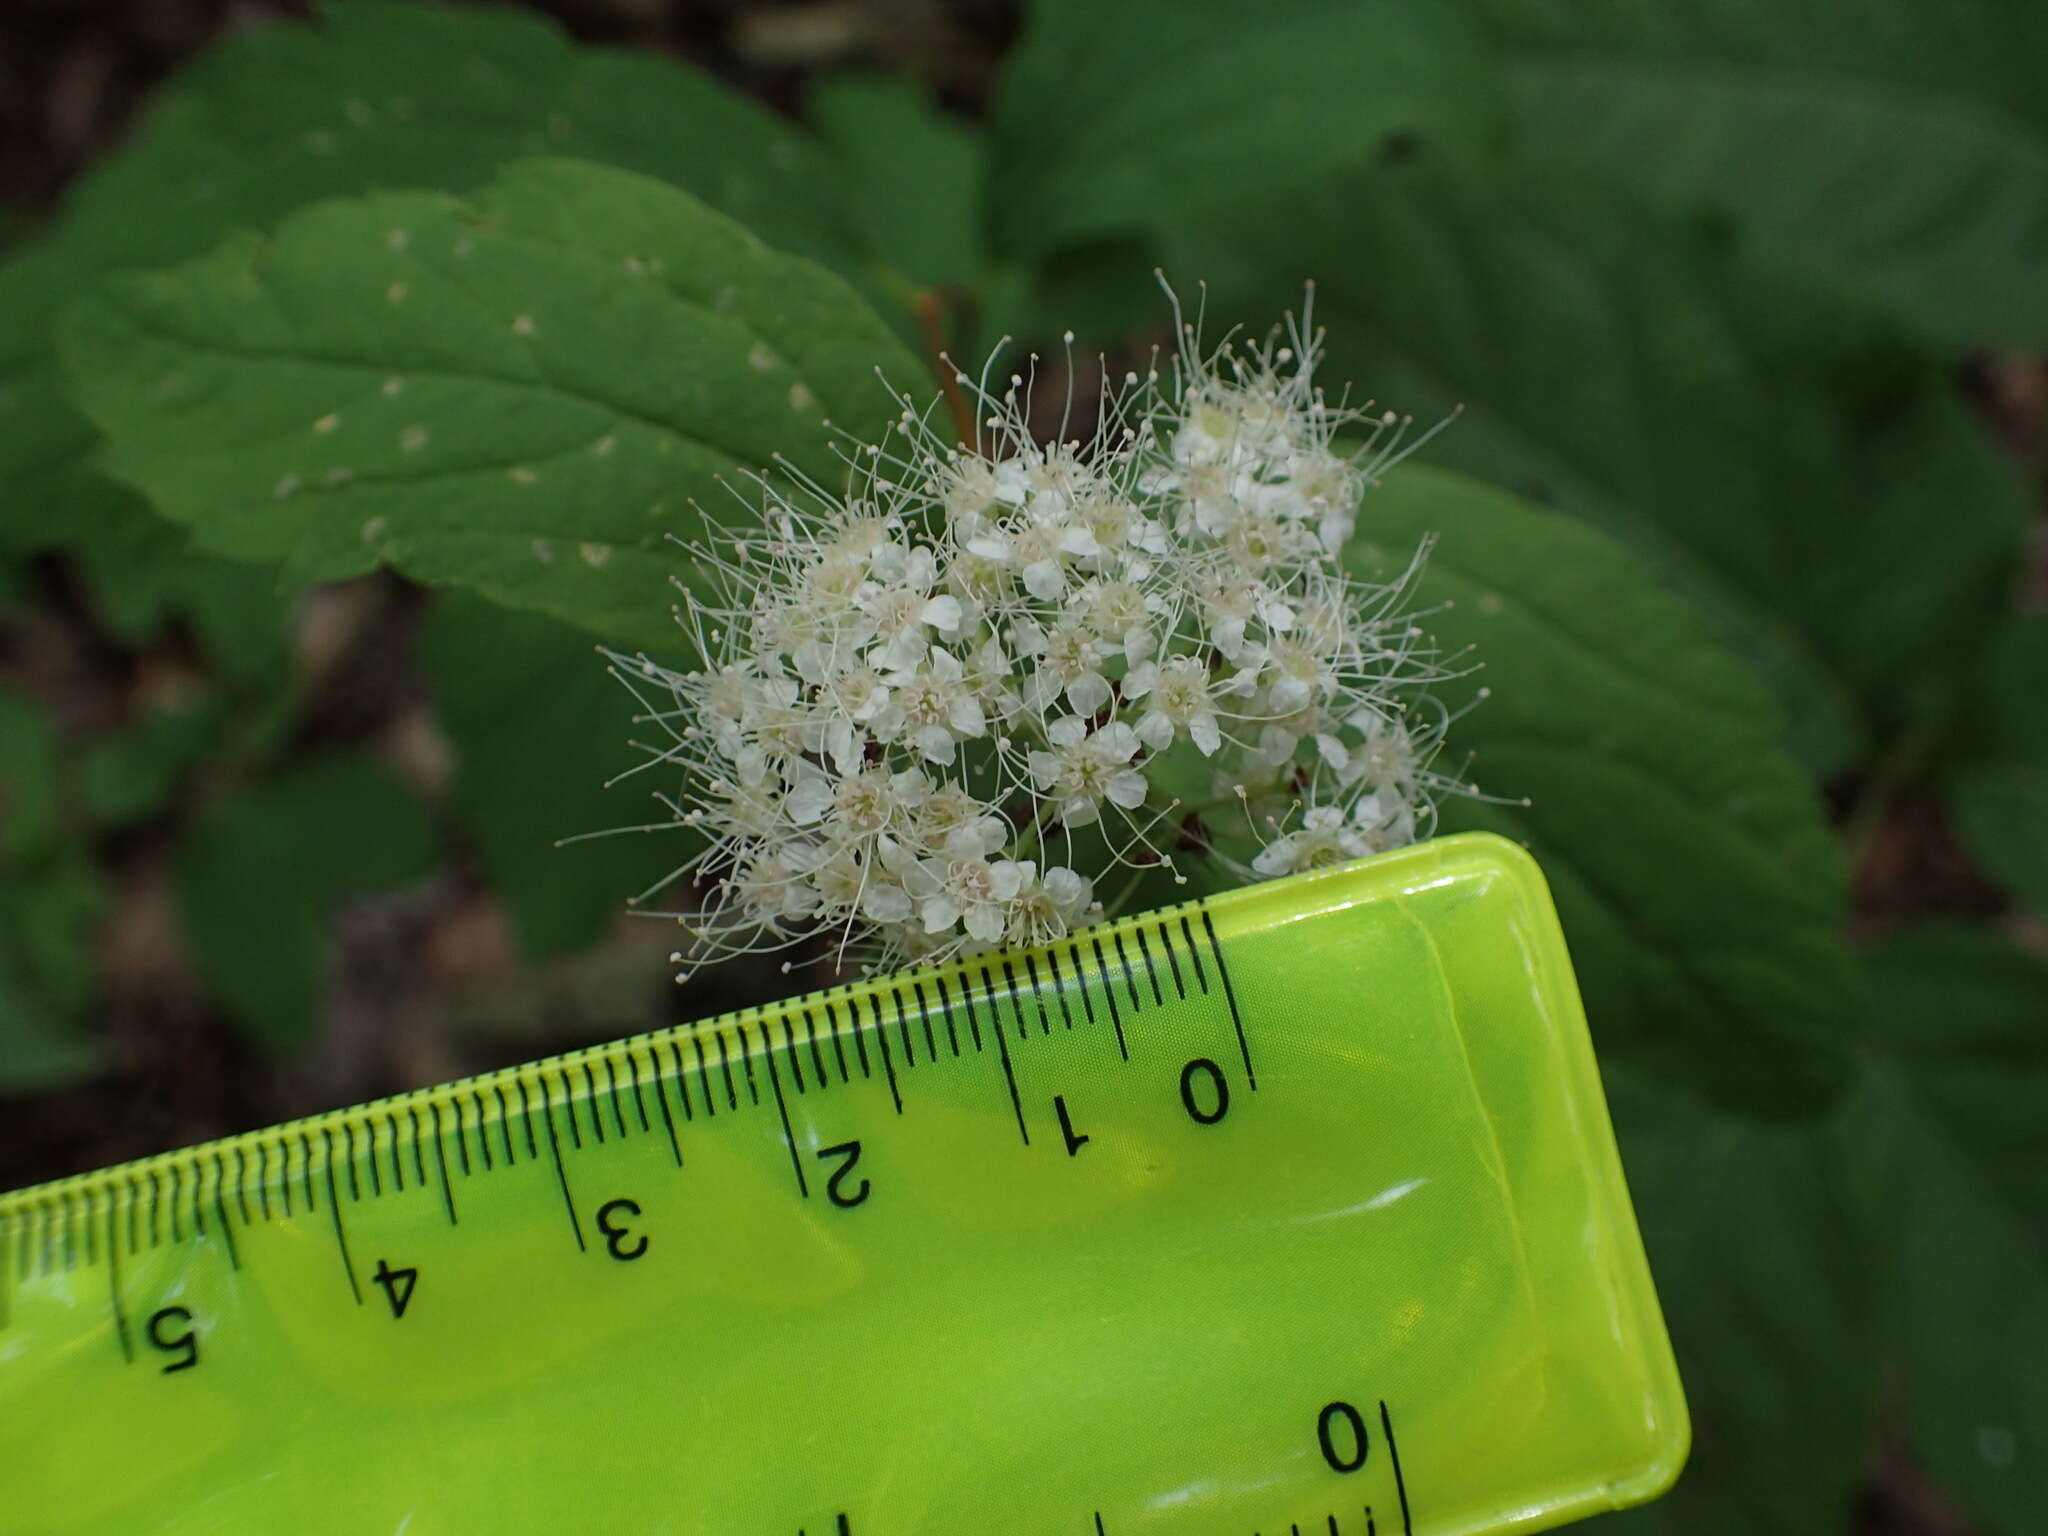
(463, 246)
(320, 142)
(339, 475)
(544, 551)
(393, 386)
(373, 530)
(524, 475)
(635, 267)
(762, 356)
(327, 423)
(522, 325)
(397, 239)
(396, 293)
(800, 398)
(594, 554)
(286, 488)
(603, 447)
(412, 439)
(1490, 603)
(358, 112)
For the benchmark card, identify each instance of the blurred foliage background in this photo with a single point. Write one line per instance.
(1744, 308)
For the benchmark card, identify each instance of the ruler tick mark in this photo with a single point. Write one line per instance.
(1394, 1455)
(838, 1043)
(504, 1122)
(220, 1210)
(788, 1136)
(561, 1173)
(1123, 960)
(1123, 1050)
(704, 1073)
(1201, 976)
(1003, 1049)
(1172, 960)
(526, 1116)
(441, 1162)
(668, 1120)
(903, 1025)
(114, 1284)
(1151, 970)
(747, 1066)
(732, 1097)
(334, 1207)
(1230, 996)
(882, 1039)
(817, 1055)
(682, 1081)
(590, 1103)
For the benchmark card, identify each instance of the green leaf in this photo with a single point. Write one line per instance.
(376, 95)
(1698, 883)
(522, 396)
(2000, 794)
(913, 174)
(131, 774)
(28, 778)
(39, 1051)
(1958, 1168)
(262, 873)
(2001, 810)
(1111, 118)
(1765, 1269)
(142, 572)
(1790, 461)
(1904, 144)
(538, 729)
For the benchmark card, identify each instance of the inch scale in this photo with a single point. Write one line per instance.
(1295, 1210)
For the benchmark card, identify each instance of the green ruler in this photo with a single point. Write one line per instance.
(1294, 1212)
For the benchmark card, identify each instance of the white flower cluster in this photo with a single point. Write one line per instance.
(933, 710)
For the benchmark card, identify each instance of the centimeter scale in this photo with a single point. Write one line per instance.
(1291, 1212)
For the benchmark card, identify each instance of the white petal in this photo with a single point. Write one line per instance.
(1139, 680)
(965, 717)
(1156, 731)
(1276, 858)
(985, 922)
(1006, 879)
(1127, 789)
(1044, 580)
(1067, 731)
(1088, 692)
(940, 913)
(886, 903)
(1203, 732)
(943, 613)
(1069, 891)
(1117, 741)
(936, 743)
(809, 800)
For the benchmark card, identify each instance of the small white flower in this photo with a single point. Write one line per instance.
(1045, 908)
(933, 708)
(1081, 768)
(1180, 704)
